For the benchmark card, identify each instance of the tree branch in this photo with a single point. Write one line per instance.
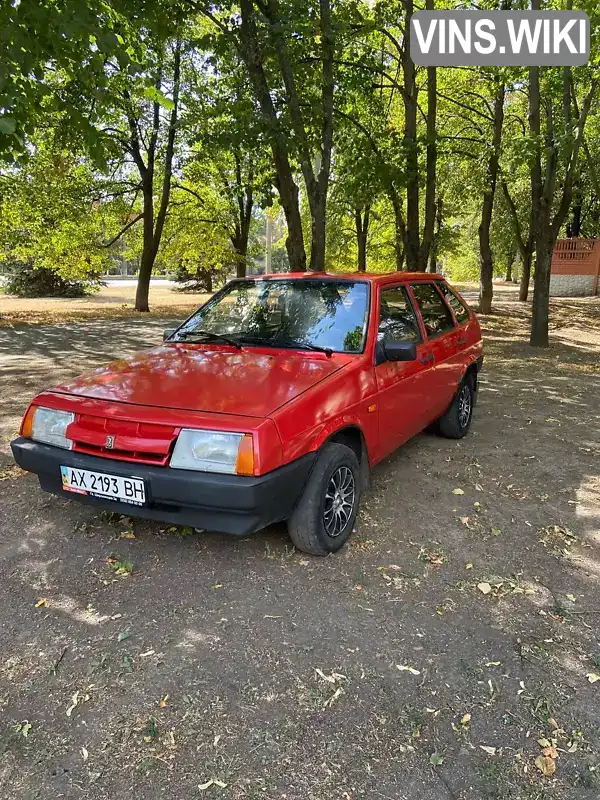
(123, 230)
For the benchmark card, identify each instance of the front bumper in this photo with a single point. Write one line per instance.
(226, 503)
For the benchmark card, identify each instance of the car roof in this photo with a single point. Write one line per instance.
(367, 277)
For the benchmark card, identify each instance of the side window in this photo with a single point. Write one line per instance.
(461, 312)
(397, 319)
(436, 314)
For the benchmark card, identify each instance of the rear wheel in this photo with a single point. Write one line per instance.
(455, 423)
(324, 517)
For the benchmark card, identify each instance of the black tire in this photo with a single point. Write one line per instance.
(313, 526)
(455, 423)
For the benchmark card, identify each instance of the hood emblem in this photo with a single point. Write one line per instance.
(110, 442)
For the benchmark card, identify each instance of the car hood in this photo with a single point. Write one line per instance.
(204, 378)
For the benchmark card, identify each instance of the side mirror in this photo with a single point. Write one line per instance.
(168, 333)
(400, 351)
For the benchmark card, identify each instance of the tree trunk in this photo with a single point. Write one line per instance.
(284, 181)
(148, 254)
(318, 221)
(400, 230)
(525, 277)
(515, 271)
(431, 164)
(486, 264)
(316, 180)
(435, 245)
(510, 258)
(412, 245)
(153, 230)
(541, 294)
(362, 232)
(574, 226)
(240, 246)
(321, 184)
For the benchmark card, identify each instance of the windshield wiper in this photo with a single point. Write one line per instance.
(286, 341)
(217, 337)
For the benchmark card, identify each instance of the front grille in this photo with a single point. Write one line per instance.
(142, 442)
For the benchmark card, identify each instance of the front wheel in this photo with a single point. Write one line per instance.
(324, 517)
(455, 423)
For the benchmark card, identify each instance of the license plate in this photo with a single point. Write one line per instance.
(101, 484)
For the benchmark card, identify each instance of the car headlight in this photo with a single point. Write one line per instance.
(214, 451)
(49, 425)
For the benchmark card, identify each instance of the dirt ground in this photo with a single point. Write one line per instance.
(450, 652)
(112, 301)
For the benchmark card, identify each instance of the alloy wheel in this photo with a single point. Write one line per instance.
(340, 497)
(465, 405)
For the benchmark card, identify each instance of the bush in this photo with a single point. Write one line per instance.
(25, 280)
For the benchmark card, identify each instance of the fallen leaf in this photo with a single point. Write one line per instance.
(74, 701)
(544, 743)
(493, 663)
(457, 491)
(333, 678)
(489, 750)
(84, 753)
(484, 587)
(435, 759)
(469, 565)
(465, 719)
(122, 636)
(338, 692)
(404, 668)
(593, 677)
(571, 597)
(163, 702)
(550, 752)
(127, 535)
(42, 602)
(547, 766)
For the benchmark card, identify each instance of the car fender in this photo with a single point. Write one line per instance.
(335, 425)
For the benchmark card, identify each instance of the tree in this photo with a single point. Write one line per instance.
(544, 177)
(486, 274)
(49, 216)
(291, 53)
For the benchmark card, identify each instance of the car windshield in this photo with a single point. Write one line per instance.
(318, 314)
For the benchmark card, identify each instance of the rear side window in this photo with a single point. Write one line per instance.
(461, 312)
(397, 318)
(436, 314)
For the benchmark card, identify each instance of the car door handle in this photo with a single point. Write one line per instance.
(427, 358)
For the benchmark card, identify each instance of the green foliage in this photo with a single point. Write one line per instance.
(25, 280)
(87, 91)
(49, 216)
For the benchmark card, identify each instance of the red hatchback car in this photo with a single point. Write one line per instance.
(271, 402)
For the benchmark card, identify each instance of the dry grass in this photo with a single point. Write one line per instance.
(111, 301)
